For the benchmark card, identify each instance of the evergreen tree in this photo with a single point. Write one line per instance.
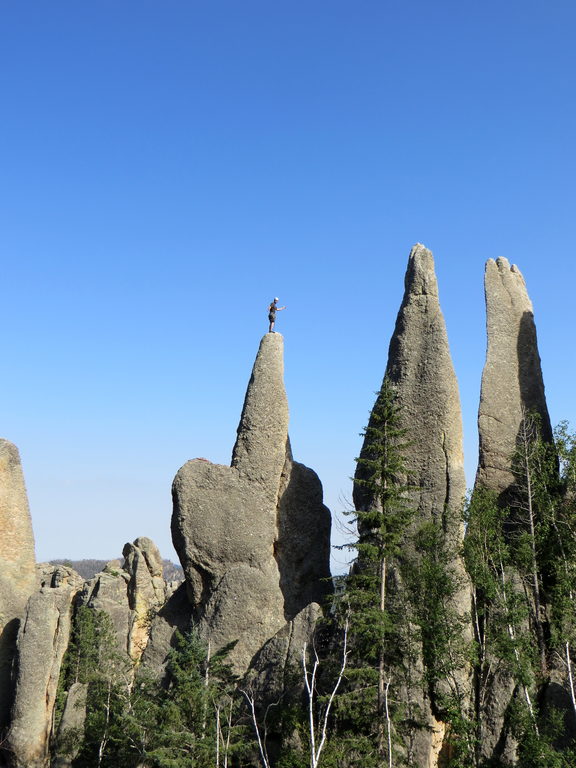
(189, 719)
(196, 711)
(405, 633)
(380, 634)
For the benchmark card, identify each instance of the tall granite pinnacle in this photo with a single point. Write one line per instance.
(253, 538)
(18, 573)
(512, 382)
(512, 386)
(421, 372)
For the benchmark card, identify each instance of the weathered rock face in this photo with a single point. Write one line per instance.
(42, 642)
(421, 371)
(18, 569)
(253, 538)
(512, 382)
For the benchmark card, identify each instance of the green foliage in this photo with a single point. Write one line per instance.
(186, 714)
(377, 624)
(92, 648)
(133, 719)
(522, 562)
(434, 585)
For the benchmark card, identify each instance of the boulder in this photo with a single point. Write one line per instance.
(253, 538)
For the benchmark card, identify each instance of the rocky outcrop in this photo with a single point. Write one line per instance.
(421, 372)
(18, 565)
(131, 594)
(253, 538)
(42, 642)
(512, 382)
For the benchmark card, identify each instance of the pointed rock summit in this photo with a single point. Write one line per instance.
(512, 382)
(421, 372)
(420, 368)
(253, 538)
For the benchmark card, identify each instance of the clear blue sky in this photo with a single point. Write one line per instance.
(168, 166)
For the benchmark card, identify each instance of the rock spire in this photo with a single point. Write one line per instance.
(42, 641)
(421, 372)
(512, 386)
(253, 538)
(18, 572)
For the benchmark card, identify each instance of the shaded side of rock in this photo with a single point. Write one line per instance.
(302, 545)
(276, 673)
(174, 616)
(278, 664)
(234, 528)
(422, 375)
(18, 571)
(42, 642)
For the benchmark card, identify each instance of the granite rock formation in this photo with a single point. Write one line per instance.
(18, 571)
(253, 538)
(130, 594)
(421, 372)
(42, 642)
(512, 386)
(512, 382)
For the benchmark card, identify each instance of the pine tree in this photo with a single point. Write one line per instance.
(379, 633)
(187, 719)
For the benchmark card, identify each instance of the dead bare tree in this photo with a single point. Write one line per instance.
(318, 730)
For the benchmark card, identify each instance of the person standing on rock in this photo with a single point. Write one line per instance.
(272, 309)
